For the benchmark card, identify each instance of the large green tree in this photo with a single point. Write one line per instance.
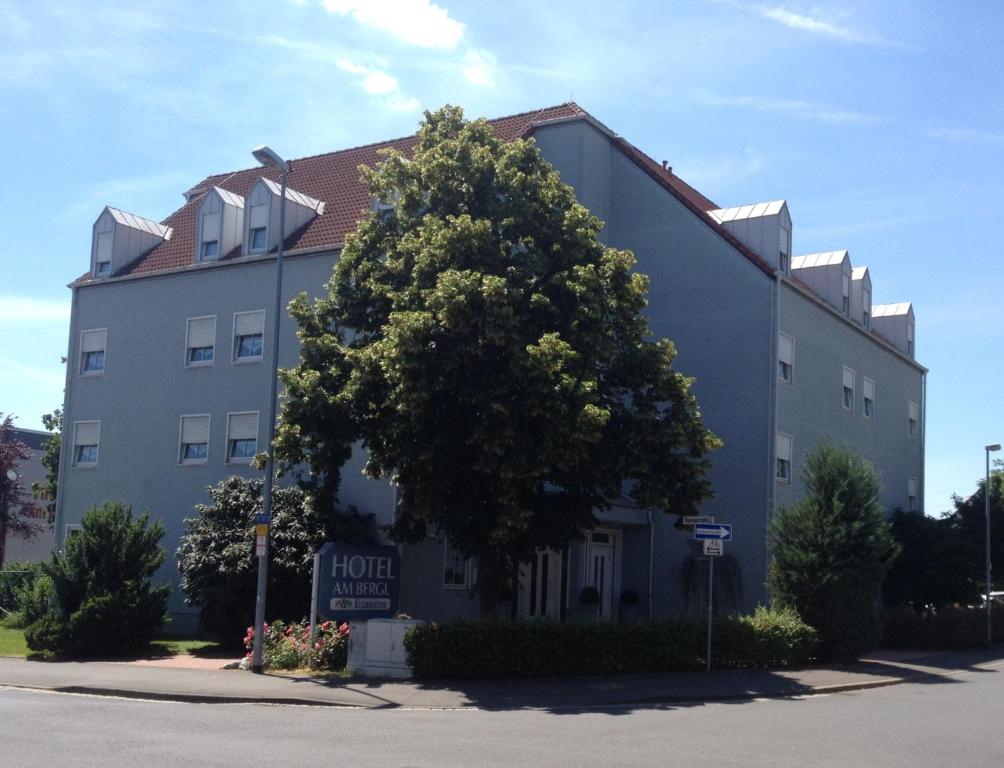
(490, 354)
(831, 551)
(969, 519)
(46, 489)
(19, 512)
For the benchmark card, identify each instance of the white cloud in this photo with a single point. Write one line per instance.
(27, 310)
(378, 83)
(418, 22)
(816, 23)
(479, 67)
(804, 110)
(968, 135)
(721, 168)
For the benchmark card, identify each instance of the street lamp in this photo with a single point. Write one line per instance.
(986, 497)
(269, 159)
(12, 477)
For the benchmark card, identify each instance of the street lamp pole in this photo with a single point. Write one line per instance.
(986, 498)
(269, 159)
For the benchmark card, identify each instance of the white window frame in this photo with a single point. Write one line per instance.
(181, 446)
(77, 445)
(778, 477)
(784, 251)
(449, 551)
(912, 419)
(866, 400)
(780, 360)
(104, 353)
(844, 388)
(911, 498)
(189, 347)
(251, 246)
(845, 294)
(866, 307)
(242, 459)
(234, 359)
(202, 251)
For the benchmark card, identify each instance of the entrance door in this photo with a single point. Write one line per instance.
(540, 586)
(601, 569)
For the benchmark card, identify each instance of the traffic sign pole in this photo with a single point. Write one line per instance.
(711, 602)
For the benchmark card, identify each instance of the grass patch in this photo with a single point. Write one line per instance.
(12, 642)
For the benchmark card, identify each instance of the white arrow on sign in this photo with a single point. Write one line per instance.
(718, 531)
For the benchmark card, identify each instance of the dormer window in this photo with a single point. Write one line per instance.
(784, 255)
(259, 239)
(210, 250)
(866, 308)
(103, 252)
(221, 224)
(103, 268)
(909, 339)
(119, 238)
(845, 305)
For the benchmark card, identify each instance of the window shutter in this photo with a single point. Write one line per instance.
(202, 332)
(210, 226)
(86, 432)
(104, 247)
(914, 411)
(249, 323)
(93, 341)
(259, 216)
(786, 349)
(243, 426)
(869, 389)
(911, 486)
(195, 429)
(783, 446)
(848, 378)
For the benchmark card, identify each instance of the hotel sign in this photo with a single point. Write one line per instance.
(357, 582)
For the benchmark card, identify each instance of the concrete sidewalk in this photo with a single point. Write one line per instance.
(558, 694)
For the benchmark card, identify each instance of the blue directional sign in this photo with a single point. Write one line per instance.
(713, 531)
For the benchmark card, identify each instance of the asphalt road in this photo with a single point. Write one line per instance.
(955, 723)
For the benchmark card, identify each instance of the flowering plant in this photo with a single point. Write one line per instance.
(288, 645)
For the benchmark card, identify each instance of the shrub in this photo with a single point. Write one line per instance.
(21, 593)
(489, 648)
(288, 646)
(831, 551)
(105, 601)
(952, 628)
(217, 561)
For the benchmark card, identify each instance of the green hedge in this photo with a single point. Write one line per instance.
(495, 648)
(943, 629)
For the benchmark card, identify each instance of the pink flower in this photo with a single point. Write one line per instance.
(325, 625)
(318, 645)
(343, 629)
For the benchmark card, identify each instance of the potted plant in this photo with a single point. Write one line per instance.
(589, 603)
(629, 605)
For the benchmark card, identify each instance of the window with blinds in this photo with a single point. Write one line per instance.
(786, 358)
(848, 388)
(869, 395)
(86, 435)
(913, 417)
(249, 329)
(242, 437)
(782, 447)
(92, 351)
(200, 340)
(194, 440)
(911, 494)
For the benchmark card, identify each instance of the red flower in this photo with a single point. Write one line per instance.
(343, 629)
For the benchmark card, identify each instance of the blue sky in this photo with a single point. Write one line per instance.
(882, 124)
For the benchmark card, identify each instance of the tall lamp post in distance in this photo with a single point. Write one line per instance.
(986, 497)
(269, 159)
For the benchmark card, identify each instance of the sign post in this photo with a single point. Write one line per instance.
(712, 535)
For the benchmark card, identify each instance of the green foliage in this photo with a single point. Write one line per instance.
(950, 628)
(937, 566)
(106, 603)
(491, 355)
(831, 551)
(25, 592)
(53, 422)
(493, 648)
(969, 519)
(18, 511)
(217, 561)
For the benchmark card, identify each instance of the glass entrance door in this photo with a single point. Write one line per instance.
(540, 586)
(601, 569)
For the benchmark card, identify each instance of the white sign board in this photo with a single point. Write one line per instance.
(695, 519)
(712, 547)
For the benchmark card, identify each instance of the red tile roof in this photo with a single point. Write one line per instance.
(334, 179)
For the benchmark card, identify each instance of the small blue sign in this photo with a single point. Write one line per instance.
(713, 531)
(357, 582)
(261, 519)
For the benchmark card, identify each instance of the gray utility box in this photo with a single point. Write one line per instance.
(376, 647)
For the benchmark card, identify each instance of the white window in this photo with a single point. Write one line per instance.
(869, 394)
(86, 435)
(456, 568)
(846, 288)
(782, 447)
(913, 417)
(258, 227)
(103, 254)
(249, 327)
(200, 340)
(866, 307)
(194, 439)
(785, 251)
(210, 250)
(911, 494)
(786, 358)
(848, 388)
(92, 352)
(242, 437)
(909, 339)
